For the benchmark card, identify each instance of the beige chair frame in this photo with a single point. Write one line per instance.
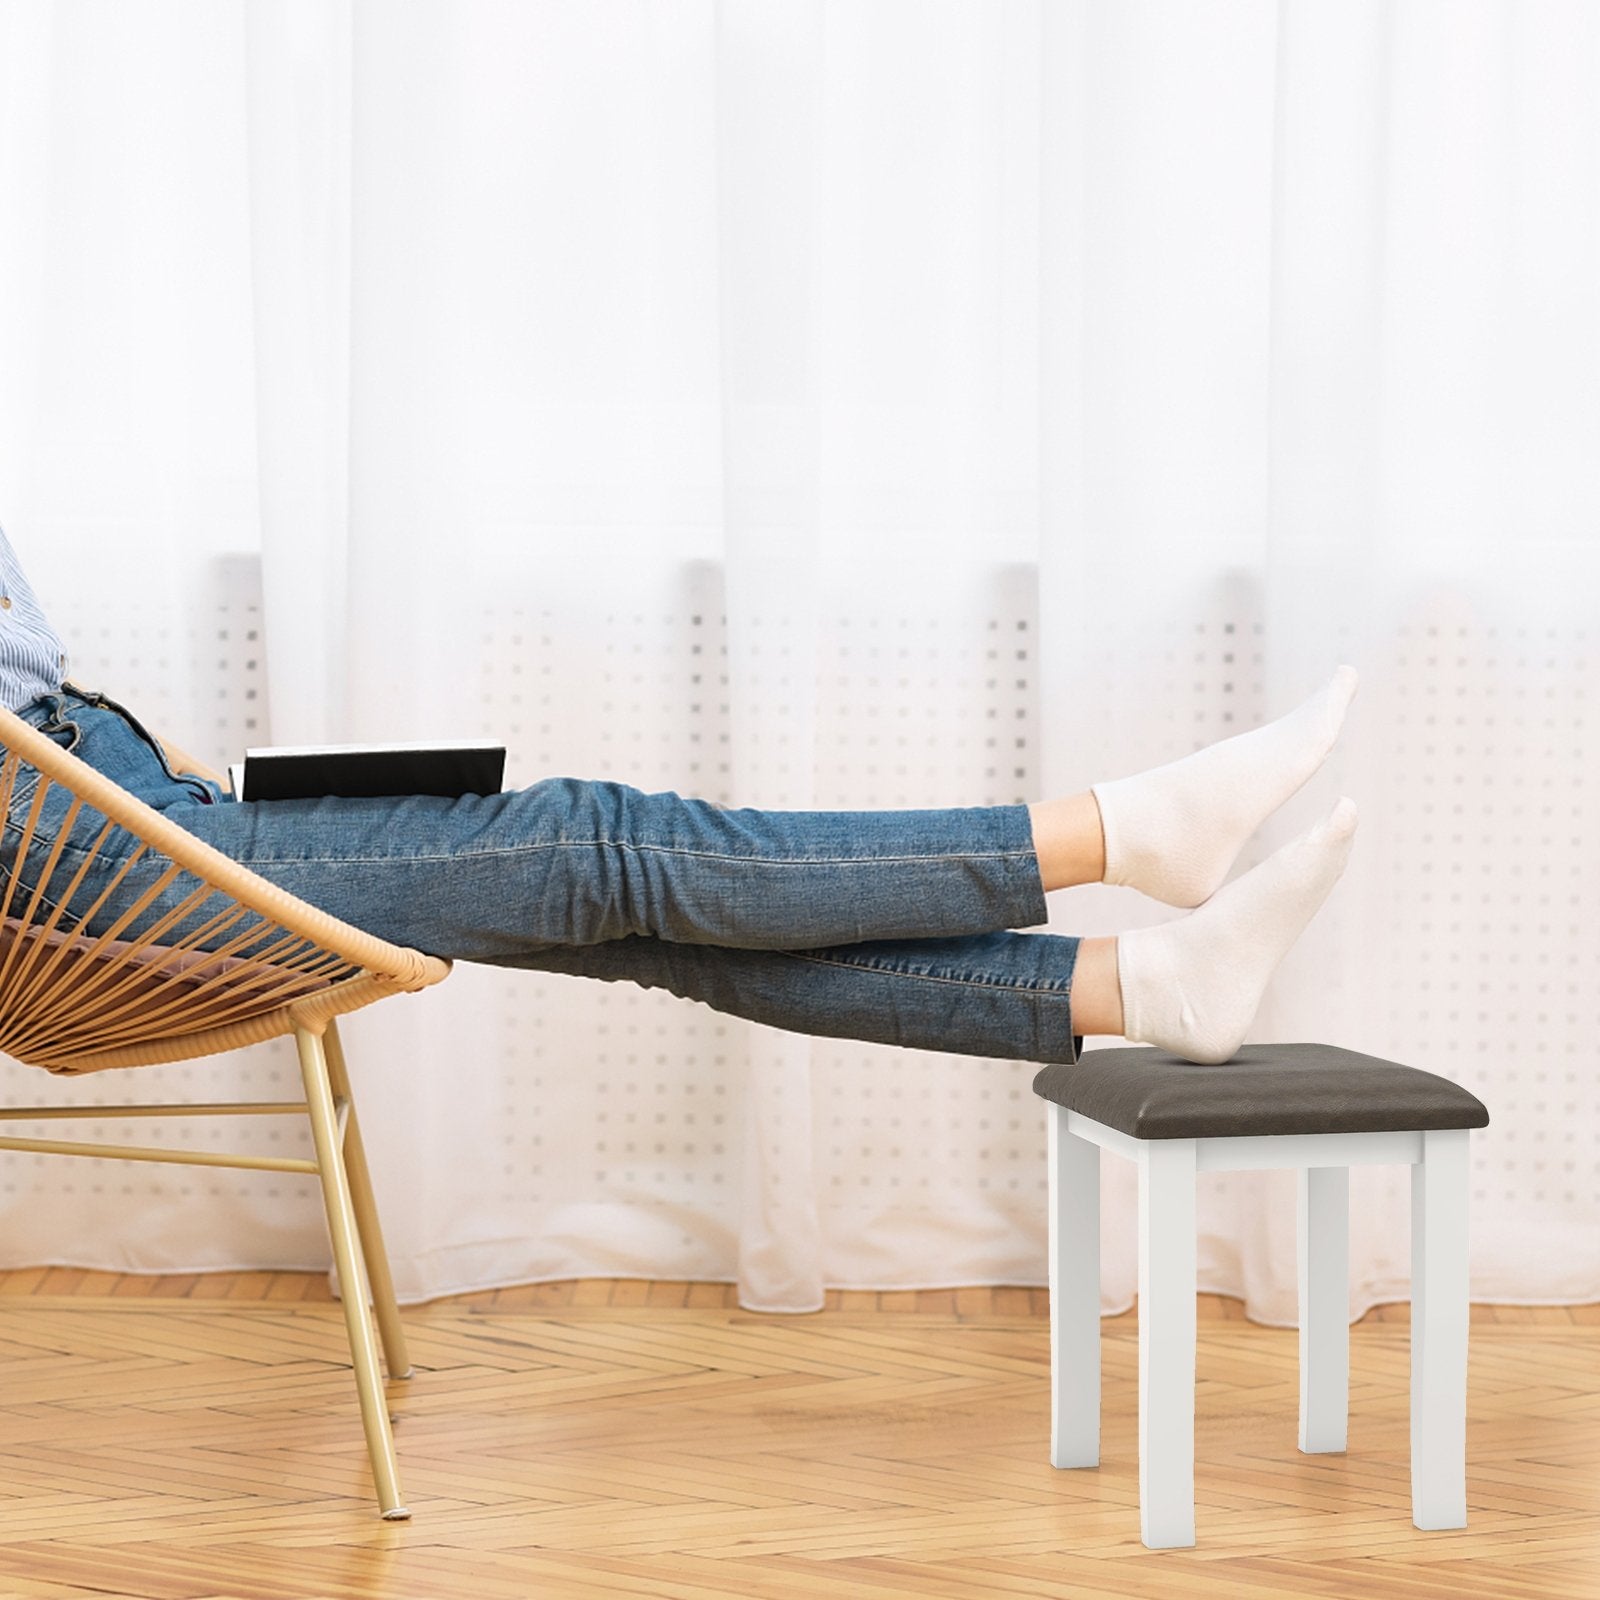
(74, 1002)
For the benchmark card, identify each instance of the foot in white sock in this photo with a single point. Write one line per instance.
(1193, 986)
(1174, 831)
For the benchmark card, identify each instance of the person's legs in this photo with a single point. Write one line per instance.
(569, 863)
(581, 861)
(574, 861)
(1008, 995)
(1191, 986)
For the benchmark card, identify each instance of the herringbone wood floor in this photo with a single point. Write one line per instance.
(198, 1439)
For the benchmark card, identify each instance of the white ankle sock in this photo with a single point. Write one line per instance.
(1173, 832)
(1193, 986)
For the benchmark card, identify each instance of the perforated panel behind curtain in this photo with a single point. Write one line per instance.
(835, 405)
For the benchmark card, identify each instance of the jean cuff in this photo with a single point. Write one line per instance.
(1024, 884)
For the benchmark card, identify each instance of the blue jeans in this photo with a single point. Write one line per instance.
(887, 926)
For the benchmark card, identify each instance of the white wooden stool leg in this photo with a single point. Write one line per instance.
(1324, 1229)
(1166, 1342)
(1440, 1196)
(1074, 1166)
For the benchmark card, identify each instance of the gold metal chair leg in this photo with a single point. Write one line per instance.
(352, 1284)
(395, 1355)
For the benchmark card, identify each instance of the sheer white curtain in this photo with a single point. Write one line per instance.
(805, 404)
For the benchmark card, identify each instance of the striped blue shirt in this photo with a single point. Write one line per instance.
(32, 660)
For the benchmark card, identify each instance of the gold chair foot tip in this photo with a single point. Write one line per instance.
(399, 1376)
(398, 1514)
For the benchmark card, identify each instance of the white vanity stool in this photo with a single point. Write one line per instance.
(1310, 1106)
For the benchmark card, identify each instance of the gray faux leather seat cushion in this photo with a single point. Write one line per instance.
(1265, 1088)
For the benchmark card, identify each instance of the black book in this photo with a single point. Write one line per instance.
(306, 772)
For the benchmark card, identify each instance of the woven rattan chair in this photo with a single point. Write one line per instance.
(72, 1001)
